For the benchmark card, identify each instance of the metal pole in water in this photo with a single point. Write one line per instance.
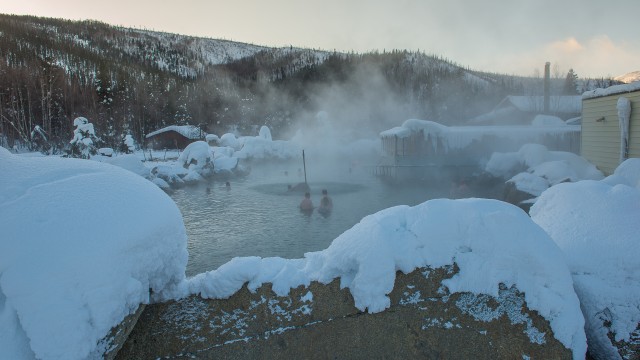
(304, 165)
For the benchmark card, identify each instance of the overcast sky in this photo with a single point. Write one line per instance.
(596, 38)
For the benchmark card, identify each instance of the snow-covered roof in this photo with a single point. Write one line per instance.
(458, 137)
(189, 131)
(612, 90)
(397, 131)
(557, 104)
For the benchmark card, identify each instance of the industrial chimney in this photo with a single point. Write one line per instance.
(547, 81)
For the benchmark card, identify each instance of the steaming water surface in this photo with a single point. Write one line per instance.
(258, 217)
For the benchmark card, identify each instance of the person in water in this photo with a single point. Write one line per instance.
(227, 185)
(306, 203)
(326, 204)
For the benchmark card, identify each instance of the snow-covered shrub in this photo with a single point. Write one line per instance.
(265, 133)
(84, 142)
(39, 140)
(128, 144)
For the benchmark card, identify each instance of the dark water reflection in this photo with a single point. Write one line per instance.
(259, 217)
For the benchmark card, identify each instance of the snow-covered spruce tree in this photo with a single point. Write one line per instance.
(39, 140)
(128, 145)
(570, 83)
(84, 142)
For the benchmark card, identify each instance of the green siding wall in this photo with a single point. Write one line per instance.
(600, 140)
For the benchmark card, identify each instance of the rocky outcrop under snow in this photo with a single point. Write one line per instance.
(320, 321)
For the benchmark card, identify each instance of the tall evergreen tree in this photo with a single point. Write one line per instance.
(570, 83)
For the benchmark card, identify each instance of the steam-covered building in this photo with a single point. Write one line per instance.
(611, 125)
(174, 137)
(521, 110)
(419, 146)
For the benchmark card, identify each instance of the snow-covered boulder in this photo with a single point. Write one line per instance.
(82, 244)
(108, 152)
(169, 174)
(197, 159)
(225, 164)
(321, 318)
(596, 225)
(492, 243)
(222, 151)
(212, 139)
(230, 140)
(534, 168)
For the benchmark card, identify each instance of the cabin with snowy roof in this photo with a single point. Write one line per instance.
(611, 125)
(521, 110)
(174, 137)
(420, 146)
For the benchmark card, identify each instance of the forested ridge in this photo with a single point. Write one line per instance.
(133, 81)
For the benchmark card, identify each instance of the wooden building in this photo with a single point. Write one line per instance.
(174, 137)
(611, 125)
(521, 110)
(419, 146)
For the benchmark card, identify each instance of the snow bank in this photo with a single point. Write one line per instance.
(595, 223)
(626, 174)
(129, 162)
(82, 244)
(549, 167)
(491, 242)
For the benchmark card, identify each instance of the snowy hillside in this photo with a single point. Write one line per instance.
(134, 82)
(629, 77)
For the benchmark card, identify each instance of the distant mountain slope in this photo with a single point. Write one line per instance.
(185, 56)
(132, 81)
(629, 77)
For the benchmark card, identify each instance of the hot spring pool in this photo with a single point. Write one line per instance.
(259, 217)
